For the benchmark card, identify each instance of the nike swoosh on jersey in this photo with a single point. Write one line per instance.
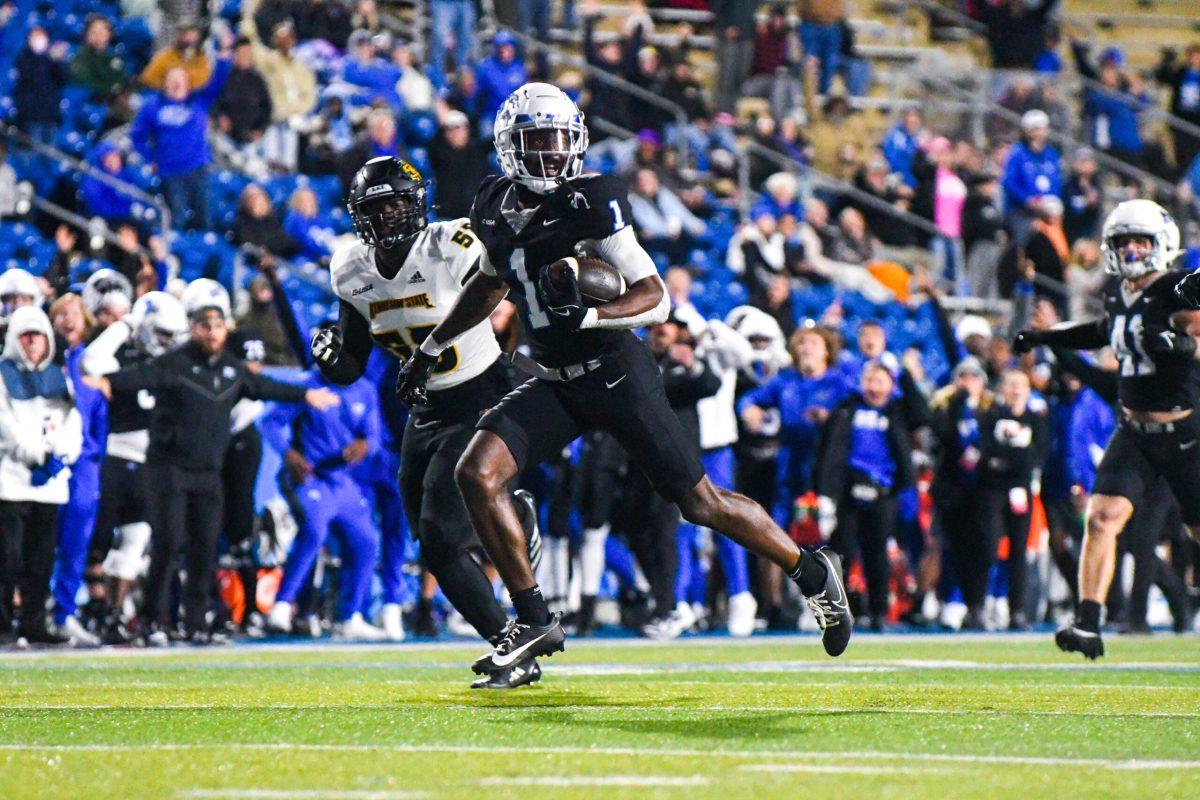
(614, 383)
(504, 661)
(1188, 445)
(429, 424)
(548, 222)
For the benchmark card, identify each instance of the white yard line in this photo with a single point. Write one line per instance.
(648, 709)
(853, 769)
(563, 781)
(633, 752)
(297, 794)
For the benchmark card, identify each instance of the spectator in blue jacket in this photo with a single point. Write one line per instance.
(798, 400)
(307, 227)
(101, 199)
(320, 449)
(364, 68)
(170, 132)
(1111, 113)
(901, 144)
(499, 75)
(1033, 171)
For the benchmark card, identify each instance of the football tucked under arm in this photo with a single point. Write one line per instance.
(645, 301)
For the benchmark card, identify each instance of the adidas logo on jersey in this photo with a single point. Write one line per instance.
(417, 278)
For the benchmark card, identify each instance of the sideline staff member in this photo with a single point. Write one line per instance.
(196, 387)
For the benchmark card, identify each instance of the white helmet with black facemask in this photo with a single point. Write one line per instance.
(540, 137)
(1139, 218)
(161, 323)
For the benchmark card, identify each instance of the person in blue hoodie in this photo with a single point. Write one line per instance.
(1112, 112)
(320, 450)
(1033, 171)
(365, 69)
(901, 143)
(72, 322)
(102, 199)
(310, 229)
(499, 75)
(170, 131)
(797, 401)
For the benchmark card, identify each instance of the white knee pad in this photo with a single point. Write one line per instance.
(125, 560)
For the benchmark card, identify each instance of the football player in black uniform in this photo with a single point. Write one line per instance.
(1150, 325)
(590, 371)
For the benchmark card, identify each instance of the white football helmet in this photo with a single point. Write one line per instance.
(1144, 218)
(205, 293)
(160, 323)
(17, 283)
(540, 137)
(107, 288)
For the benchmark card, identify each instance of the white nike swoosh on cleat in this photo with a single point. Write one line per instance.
(837, 580)
(1189, 445)
(504, 661)
(614, 383)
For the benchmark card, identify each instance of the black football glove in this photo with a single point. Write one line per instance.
(563, 305)
(410, 382)
(1158, 341)
(1188, 290)
(1025, 341)
(326, 344)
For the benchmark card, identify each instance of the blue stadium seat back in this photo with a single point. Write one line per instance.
(419, 128)
(82, 270)
(722, 275)
(736, 294)
(41, 255)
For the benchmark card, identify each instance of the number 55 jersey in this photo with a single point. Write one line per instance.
(403, 310)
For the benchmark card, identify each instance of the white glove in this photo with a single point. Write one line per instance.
(826, 516)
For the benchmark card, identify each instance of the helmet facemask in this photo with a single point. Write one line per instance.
(1120, 260)
(391, 219)
(540, 156)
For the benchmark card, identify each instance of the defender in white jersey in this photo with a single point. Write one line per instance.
(394, 286)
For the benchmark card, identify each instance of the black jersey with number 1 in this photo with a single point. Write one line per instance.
(1168, 383)
(590, 207)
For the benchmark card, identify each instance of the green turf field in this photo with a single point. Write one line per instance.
(922, 717)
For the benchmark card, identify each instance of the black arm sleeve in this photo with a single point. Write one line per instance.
(914, 406)
(685, 388)
(356, 347)
(946, 333)
(287, 318)
(1089, 335)
(1101, 381)
(152, 374)
(260, 387)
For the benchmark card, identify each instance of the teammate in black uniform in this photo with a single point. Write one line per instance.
(590, 370)
(394, 285)
(1150, 325)
(156, 324)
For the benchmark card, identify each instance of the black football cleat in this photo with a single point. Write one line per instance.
(830, 607)
(529, 525)
(1077, 640)
(522, 642)
(522, 673)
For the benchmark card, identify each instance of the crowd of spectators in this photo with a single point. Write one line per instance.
(743, 202)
